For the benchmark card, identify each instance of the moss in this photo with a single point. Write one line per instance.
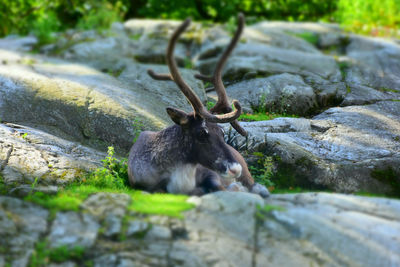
(385, 89)
(263, 116)
(43, 255)
(114, 72)
(287, 178)
(343, 67)
(3, 186)
(135, 37)
(307, 36)
(390, 177)
(263, 211)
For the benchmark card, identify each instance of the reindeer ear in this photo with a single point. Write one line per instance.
(178, 116)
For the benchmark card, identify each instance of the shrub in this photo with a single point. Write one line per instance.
(370, 16)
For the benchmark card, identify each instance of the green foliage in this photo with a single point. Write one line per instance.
(263, 116)
(138, 127)
(43, 255)
(385, 89)
(45, 26)
(3, 187)
(210, 105)
(390, 177)
(262, 212)
(188, 64)
(167, 204)
(223, 10)
(307, 36)
(111, 178)
(45, 17)
(114, 173)
(100, 14)
(263, 169)
(370, 16)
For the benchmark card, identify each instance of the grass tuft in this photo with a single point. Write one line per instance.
(111, 178)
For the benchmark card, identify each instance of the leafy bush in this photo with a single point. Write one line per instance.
(114, 173)
(370, 16)
(42, 254)
(100, 15)
(44, 17)
(263, 169)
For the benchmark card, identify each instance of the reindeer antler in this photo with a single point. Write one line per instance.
(222, 105)
(194, 100)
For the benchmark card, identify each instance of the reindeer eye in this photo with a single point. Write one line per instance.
(202, 135)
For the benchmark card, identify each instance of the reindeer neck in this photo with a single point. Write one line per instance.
(171, 145)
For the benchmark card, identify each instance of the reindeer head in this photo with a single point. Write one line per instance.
(199, 128)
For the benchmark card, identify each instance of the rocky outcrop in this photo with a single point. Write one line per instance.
(225, 228)
(90, 90)
(28, 154)
(350, 149)
(82, 104)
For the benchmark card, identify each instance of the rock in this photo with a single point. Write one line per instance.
(284, 93)
(270, 33)
(371, 71)
(64, 264)
(264, 59)
(325, 35)
(364, 232)
(158, 232)
(136, 227)
(28, 154)
(17, 43)
(109, 208)
(24, 190)
(73, 229)
(237, 229)
(260, 190)
(21, 226)
(101, 204)
(349, 149)
(162, 93)
(117, 48)
(79, 103)
(237, 187)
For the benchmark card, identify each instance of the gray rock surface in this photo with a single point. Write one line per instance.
(349, 149)
(80, 103)
(373, 71)
(21, 225)
(284, 93)
(73, 229)
(224, 229)
(28, 154)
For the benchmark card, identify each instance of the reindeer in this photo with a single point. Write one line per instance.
(191, 156)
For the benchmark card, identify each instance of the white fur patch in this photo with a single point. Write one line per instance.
(234, 171)
(182, 179)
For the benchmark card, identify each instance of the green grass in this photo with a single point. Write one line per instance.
(3, 187)
(263, 116)
(384, 89)
(112, 178)
(43, 255)
(71, 197)
(307, 36)
(165, 204)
